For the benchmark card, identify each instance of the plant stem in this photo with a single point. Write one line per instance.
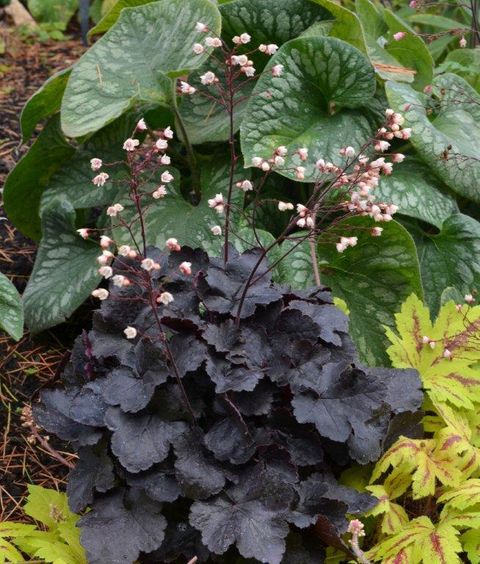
(192, 159)
(233, 160)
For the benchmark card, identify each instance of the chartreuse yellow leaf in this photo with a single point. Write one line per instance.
(420, 541)
(454, 380)
(394, 517)
(471, 545)
(423, 462)
(463, 496)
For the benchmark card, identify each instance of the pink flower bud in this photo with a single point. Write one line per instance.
(105, 242)
(399, 35)
(100, 179)
(165, 298)
(100, 293)
(96, 164)
(172, 244)
(201, 27)
(277, 70)
(216, 230)
(130, 332)
(141, 125)
(83, 233)
(186, 268)
(131, 144)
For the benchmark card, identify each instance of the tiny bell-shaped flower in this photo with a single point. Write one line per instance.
(105, 242)
(105, 271)
(245, 185)
(213, 42)
(130, 332)
(186, 88)
(198, 48)
(469, 299)
(277, 70)
(131, 144)
(278, 160)
(463, 42)
(168, 133)
(376, 231)
(285, 206)
(141, 125)
(96, 164)
(114, 210)
(300, 172)
(447, 354)
(398, 158)
(217, 203)
(172, 244)
(161, 144)
(201, 27)
(186, 268)
(303, 153)
(100, 293)
(165, 298)
(208, 78)
(83, 232)
(120, 280)
(257, 161)
(216, 230)
(265, 166)
(281, 151)
(159, 193)
(165, 160)
(269, 49)
(148, 264)
(100, 179)
(124, 250)
(399, 35)
(166, 177)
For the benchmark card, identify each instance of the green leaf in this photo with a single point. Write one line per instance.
(267, 21)
(346, 26)
(296, 109)
(25, 184)
(111, 16)
(295, 269)
(134, 62)
(453, 128)
(11, 310)
(53, 11)
(174, 216)
(373, 278)
(405, 61)
(65, 270)
(46, 506)
(417, 192)
(450, 258)
(439, 22)
(471, 544)
(465, 63)
(73, 180)
(410, 51)
(44, 103)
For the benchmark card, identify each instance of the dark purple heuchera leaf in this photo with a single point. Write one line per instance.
(120, 526)
(158, 483)
(94, 472)
(139, 442)
(240, 441)
(197, 473)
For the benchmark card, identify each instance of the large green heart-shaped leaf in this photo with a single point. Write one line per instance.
(174, 216)
(44, 103)
(407, 60)
(373, 278)
(65, 270)
(267, 21)
(346, 25)
(134, 62)
(446, 140)
(73, 180)
(11, 309)
(450, 258)
(315, 103)
(25, 184)
(112, 15)
(417, 192)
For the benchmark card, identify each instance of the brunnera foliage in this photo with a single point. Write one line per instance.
(230, 444)
(342, 67)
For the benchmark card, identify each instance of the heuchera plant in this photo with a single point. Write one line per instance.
(212, 408)
(198, 430)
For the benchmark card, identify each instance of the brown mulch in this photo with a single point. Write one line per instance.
(32, 363)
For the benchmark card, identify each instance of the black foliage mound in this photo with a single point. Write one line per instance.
(276, 407)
